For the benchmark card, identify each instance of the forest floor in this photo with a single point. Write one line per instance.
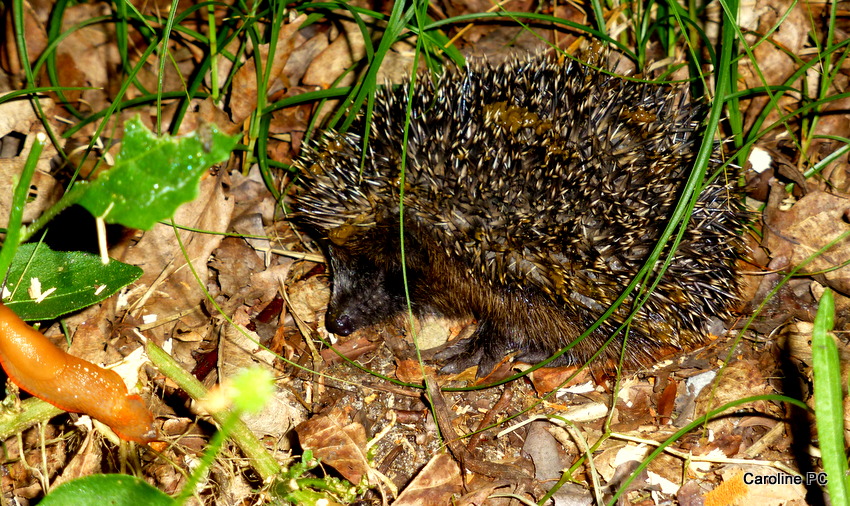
(262, 285)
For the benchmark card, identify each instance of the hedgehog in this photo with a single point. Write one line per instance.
(533, 193)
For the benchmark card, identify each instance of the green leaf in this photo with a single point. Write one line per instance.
(829, 408)
(153, 176)
(79, 279)
(103, 489)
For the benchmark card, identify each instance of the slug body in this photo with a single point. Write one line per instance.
(70, 383)
(534, 192)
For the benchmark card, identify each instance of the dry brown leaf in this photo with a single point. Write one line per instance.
(202, 112)
(93, 328)
(731, 491)
(303, 56)
(797, 343)
(240, 348)
(409, 371)
(235, 261)
(88, 56)
(158, 252)
(86, 461)
(36, 15)
(243, 100)
(813, 222)
(336, 58)
(436, 483)
(775, 63)
(266, 284)
(352, 348)
(280, 414)
(337, 442)
(546, 453)
(763, 495)
(18, 128)
(740, 379)
(547, 379)
(286, 42)
(308, 297)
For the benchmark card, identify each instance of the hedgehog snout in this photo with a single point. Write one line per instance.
(341, 325)
(359, 301)
(362, 293)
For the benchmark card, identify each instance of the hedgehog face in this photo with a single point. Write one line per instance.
(362, 294)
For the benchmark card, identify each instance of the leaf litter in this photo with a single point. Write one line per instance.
(358, 424)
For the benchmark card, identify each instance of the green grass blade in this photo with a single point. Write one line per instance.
(829, 408)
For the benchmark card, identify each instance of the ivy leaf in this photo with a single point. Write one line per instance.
(153, 176)
(72, 281)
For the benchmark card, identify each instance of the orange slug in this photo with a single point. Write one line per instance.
(70, 383)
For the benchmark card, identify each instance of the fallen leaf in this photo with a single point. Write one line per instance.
(337, 442)
(436, 483)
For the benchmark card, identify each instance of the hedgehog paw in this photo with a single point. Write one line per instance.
(464, 354)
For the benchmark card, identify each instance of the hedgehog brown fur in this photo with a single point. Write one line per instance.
(533, 193)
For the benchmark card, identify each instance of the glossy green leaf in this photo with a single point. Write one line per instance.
(103, 489)
(77, 280)
(153, 175)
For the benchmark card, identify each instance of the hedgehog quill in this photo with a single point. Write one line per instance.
(534, 192)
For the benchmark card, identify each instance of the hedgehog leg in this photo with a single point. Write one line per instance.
(521, 321)
(485, 348)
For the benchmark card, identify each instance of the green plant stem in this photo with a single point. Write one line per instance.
(214, 57)
(215, 444)
(265, 465)
(32, 411)
(21, 45)
(164, 55)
